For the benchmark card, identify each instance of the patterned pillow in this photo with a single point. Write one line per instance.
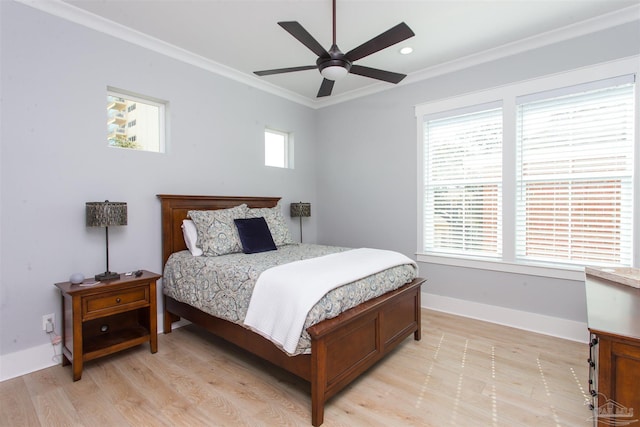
(217, 233)
(275, 221)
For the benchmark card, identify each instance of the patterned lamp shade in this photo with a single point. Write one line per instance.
(300, 210)
(106, 214)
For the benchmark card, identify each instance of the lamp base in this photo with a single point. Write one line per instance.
(107, 275)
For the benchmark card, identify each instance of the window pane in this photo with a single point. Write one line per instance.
(134, 123)
(463, 183)
(276, 149)
(574, 186)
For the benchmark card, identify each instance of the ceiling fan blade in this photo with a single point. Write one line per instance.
(285, 70)
(375, 73)
(390, 37)
(325, 88)
(296, 30)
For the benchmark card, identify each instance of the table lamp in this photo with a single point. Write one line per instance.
(106, 214)
(300, 210)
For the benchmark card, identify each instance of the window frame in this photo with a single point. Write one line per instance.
(578, 222)
(287, 161)
(162, 117)
(507, 94)
(440, 177)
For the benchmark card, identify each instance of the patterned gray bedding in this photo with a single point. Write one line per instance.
(222, 285)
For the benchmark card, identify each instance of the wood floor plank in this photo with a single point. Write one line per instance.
(462, 373)
(16, 407)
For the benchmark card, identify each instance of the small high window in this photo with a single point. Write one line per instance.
(135, 122)
(278, 149)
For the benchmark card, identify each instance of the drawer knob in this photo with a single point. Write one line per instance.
(118, 300)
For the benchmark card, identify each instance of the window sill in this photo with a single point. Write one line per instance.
(543, 270)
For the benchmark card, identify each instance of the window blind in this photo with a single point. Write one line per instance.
(463, 181)
(574, 166)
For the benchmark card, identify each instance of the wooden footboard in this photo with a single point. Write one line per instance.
(342, 348)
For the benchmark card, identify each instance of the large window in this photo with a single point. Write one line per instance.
(535, 174)
(135, 122)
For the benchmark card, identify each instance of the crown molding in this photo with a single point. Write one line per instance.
(582, 28)
(79, 16)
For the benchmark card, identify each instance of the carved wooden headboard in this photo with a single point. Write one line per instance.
(175, 209)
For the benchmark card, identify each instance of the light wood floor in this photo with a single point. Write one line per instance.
(462, 373)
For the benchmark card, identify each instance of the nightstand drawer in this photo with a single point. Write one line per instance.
(114, 302)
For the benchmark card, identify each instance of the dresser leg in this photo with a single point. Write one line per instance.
(77, 370)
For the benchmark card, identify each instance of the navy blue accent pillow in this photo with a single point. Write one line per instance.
(255, 235)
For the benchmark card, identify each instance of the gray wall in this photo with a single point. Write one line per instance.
(367, 171)
(54, 157)
(355, 162)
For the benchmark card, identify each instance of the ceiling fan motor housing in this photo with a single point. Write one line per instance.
(335, 59)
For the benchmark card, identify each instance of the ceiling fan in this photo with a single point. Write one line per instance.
(333, 64)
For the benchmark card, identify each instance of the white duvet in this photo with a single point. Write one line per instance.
(283, 295)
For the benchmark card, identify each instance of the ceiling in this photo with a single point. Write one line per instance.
(242, 36)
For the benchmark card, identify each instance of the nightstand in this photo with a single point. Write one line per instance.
(108, 317)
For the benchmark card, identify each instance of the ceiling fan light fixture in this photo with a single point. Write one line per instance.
(334, 72)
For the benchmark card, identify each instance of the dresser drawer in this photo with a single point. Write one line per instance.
(94, 306)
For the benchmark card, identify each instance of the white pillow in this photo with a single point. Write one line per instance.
(191, 237)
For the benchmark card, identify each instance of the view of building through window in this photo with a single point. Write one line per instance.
(134, 123)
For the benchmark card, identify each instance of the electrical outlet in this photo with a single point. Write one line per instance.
(48, 322)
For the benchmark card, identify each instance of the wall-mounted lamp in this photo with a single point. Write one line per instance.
(300, 210)
(106, 214)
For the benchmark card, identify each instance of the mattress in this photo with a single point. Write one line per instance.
(222, 285)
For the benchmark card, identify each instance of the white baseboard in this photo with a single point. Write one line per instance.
(40, 357)
(533, 322)
(35, 358)
(29, 360)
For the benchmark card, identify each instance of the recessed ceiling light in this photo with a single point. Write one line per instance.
(406, 50)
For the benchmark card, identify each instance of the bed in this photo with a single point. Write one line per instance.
(341, 348)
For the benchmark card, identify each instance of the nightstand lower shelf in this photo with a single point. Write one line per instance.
(113, 342)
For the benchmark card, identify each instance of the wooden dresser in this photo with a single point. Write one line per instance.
(613, 312)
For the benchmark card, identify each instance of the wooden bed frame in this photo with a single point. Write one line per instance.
(342, 348)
